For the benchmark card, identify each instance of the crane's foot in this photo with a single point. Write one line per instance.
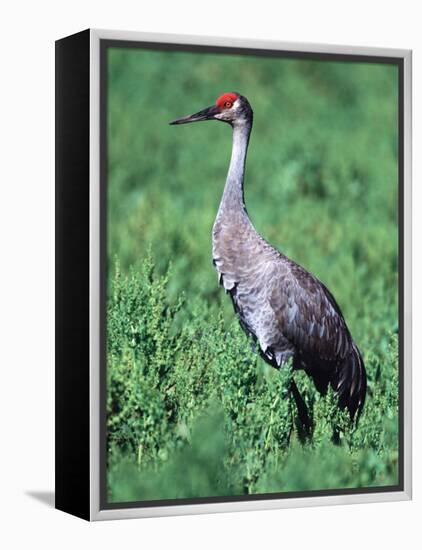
(304, 423)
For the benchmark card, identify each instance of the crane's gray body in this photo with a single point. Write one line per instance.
(283, 306)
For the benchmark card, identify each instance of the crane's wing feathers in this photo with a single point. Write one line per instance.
(309, 316)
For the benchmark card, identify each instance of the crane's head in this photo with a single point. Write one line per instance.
(230, 107)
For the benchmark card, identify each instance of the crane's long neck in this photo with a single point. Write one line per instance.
(233, 197)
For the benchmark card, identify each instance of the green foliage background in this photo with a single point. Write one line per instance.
(191, 409)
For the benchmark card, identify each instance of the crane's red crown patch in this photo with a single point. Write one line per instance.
(226, 101)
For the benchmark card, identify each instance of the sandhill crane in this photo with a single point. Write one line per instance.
(286, 309)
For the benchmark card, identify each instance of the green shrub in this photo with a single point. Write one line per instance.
(193, 411)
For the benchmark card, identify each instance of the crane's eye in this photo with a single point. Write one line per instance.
(228, 104)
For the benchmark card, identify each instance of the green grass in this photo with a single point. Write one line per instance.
(191, 409)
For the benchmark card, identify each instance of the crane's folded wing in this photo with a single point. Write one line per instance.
(308, 315)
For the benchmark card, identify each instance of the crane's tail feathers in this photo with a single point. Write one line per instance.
(350, 382)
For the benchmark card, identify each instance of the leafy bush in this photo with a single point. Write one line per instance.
(193, 411)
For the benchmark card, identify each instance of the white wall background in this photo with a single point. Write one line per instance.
(27, 36)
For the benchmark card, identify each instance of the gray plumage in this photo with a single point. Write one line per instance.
(286, 309)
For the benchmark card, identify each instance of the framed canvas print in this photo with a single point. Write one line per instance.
(233, 291)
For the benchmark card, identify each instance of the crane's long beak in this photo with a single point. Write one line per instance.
(206, 114)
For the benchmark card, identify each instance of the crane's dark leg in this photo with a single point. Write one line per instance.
(302, 410)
